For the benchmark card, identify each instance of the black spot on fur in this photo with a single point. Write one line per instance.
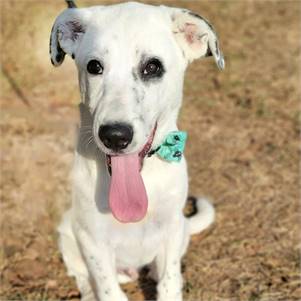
(60, 56)
(199, 17)
(50, 46)
(183, 53)
(73, 56)
(134, 74)
(191, 200)
(136, 94)
(50, 41)
(104, 91)
(217, 49)
(76, 29)
(141, 118)
(142, 95)
(208, 53)
(71, 4)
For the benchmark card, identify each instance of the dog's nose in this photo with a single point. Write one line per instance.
(116, 136)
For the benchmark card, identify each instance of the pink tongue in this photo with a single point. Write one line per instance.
(127, 196)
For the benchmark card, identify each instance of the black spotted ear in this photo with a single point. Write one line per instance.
(67, 33)
(196, 36)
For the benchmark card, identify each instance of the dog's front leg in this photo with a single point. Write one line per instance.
(100, 261)
(168, 263)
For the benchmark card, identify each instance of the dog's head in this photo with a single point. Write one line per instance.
(131, 60)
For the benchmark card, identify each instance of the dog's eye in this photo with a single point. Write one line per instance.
(152, 68)
(94, 67)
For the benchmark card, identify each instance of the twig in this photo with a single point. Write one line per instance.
(15, 86)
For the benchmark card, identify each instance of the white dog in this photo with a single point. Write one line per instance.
(129, 177)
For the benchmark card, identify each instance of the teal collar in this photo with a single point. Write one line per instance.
(172, 148)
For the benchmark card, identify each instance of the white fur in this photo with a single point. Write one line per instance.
(97, 249)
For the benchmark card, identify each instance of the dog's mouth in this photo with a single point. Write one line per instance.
(127, 195)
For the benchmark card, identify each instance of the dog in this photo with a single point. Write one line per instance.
(129, 179)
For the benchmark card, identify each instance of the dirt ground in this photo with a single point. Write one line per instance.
(243, 153)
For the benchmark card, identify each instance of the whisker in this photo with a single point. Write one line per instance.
(89, 142)
(86, 130)
(85, 127)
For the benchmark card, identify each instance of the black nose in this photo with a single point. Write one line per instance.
(116, 136)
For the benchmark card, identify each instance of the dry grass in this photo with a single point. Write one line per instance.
(243, 153)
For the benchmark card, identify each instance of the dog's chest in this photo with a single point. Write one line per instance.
(137, 245)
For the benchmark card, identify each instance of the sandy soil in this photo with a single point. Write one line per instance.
(243, 153)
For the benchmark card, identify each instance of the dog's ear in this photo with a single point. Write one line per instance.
(195, 35)
(67, 33)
